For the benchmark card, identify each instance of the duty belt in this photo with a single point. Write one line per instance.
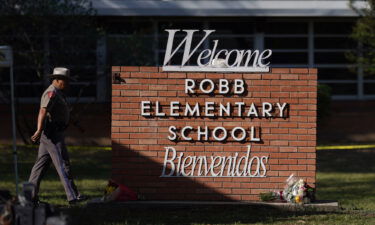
(57, 126)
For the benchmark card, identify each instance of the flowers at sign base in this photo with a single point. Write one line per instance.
(118, 192)
(296, 190)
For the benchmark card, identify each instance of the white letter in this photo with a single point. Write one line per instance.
(223, 86)
(183, 133)
(169, 161)
(222, 109)
(246, 158)
(200, 133)
(267, 108)
(239, 105)
(189, 35)
(201, 86)
(243, 134)
(144, 107)
(178, 173)
(225, 134)
(190, 112)
(231, 164)
(213, 51)
(260, 63)
(252, 135)
(168, 55)
(172, 130)
(249, 55)
(202, 162)
(200, 57)
(189, 85)
(217, 55)
(238, 58)
(184, 166)
(187, 40)
(214, 165)
(209, 106)
(262, 164)
(174, 106)
(157, 110)
(281, 108)
(252, 110)
(256, 174)
(239, 86)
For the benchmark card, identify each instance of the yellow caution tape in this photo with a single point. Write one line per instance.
(344, 147)
(90, 148)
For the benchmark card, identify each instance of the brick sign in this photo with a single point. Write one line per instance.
(212, 136)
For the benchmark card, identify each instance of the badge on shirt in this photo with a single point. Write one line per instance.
(51, 94)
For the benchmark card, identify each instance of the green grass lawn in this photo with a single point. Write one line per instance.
(344, 175)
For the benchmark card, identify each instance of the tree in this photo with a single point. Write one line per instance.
(43, 33)
(29, 26)
(364, 34)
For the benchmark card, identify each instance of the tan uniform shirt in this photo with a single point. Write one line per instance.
(58, 109)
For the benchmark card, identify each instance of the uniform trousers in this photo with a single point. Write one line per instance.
(52, 148)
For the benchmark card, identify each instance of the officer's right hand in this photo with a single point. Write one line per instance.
(36, 136)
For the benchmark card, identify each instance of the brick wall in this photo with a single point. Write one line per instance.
(139, 142)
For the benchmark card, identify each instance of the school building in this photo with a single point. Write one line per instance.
(310, 33)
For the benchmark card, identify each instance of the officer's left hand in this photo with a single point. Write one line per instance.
(36, 136)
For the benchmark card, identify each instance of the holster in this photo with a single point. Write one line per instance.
(51, 126)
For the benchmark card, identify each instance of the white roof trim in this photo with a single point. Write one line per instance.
(283, 8)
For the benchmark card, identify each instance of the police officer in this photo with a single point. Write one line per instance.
(53, 119)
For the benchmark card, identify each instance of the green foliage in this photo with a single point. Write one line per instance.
(133, 50)
(46, 7)
(324, 100)
(47, 32)
(364, 34)
(267, 196)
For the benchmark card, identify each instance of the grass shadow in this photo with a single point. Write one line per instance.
(236, 214)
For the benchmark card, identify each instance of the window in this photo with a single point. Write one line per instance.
(288, 42)
(331, 43)
(130, 42)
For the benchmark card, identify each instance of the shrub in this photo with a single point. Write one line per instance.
(324, 100)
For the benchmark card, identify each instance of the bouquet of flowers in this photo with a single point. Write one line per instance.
(296, 191)
(118, 192)
(272, 196)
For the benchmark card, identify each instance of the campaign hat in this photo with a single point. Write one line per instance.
(61, 73)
